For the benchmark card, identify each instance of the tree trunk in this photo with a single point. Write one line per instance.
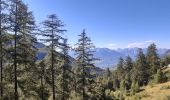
(15, 52)
(42, 88)
(1, 57)
(52, 64)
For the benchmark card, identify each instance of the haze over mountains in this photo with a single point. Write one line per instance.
(108, 57)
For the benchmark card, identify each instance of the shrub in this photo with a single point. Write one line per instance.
(160, 77)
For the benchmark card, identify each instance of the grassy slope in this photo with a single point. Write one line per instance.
(154, 92)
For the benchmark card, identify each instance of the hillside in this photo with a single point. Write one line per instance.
(153, 92)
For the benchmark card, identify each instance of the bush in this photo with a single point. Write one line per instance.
(145, 95)
(134, 88)
(122, 85)
(160, 77)
(137, 97)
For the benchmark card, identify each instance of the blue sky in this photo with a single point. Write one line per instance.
(110, 23)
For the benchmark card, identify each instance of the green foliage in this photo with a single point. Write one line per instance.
(141, 71)
(122, 85)
(84, 51)
(108, 73)
(138, 97)
(120, 68)
(166, 60)
(134, 88)
(128, 64)
(58, 74)
(128, 81)
(153, 59)
(160, 77)
(116, 84)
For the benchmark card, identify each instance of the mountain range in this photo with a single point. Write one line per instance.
(108, 57)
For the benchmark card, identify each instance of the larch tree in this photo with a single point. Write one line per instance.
(153, 59)
(26, 52)
(120, 68)
(52, 28)
(22, 25)
(128, 71)
(141, 69)
(3, 30)
(128, 64)
(14, 28)
(85, 60)
(66, 71)
(42, 85)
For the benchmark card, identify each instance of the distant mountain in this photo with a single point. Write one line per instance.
(109, 58)
(44, 50)
(167, 53)
(132, 52)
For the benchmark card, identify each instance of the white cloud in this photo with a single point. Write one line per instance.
(140, 44)
(150, 41)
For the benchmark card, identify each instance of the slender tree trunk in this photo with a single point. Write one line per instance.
(63, 69)
(1, 56)
(104, 95)
(42, 82)
(83, 65)
(83, 84)
(52, 64)
(63, 90)
(42, 88)
(15, 52)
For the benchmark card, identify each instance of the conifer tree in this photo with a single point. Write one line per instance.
(42, 87)
(134, 87)
(22, 24)
(15, 50)
(52, 28)
(66, 68)
(160, 77)
(128, 71)
(85, 60)
(153, 59)
(42, 73)
(122, 85)
(128, 64)
(15, 27)
(3, 30)
(128, 81)
(108, 73)
(120, 68)
(167, 60)
(141, 68)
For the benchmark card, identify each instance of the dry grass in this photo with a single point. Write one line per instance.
(156, 92)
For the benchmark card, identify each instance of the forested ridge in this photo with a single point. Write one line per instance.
(57, 76)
